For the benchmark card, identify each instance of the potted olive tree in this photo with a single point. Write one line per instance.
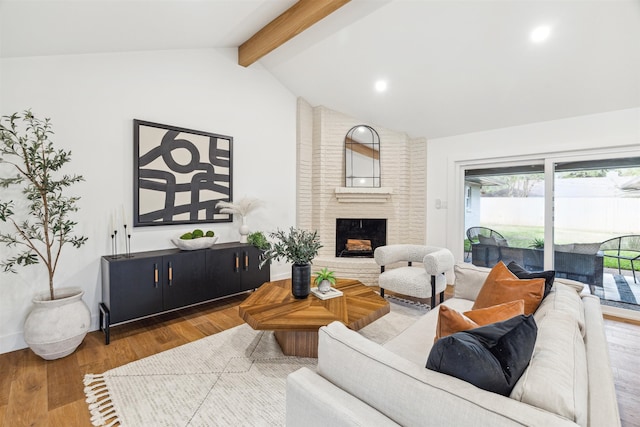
(38, 229)
(298, 247)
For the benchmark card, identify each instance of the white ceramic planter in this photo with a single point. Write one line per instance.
(54, 329)
(324, 286)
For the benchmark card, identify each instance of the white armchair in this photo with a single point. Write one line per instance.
(420, 281)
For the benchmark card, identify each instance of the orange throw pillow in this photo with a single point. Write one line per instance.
(451, 321)
(503, 286)
(496, 313)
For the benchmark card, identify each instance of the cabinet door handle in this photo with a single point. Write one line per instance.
(170, 274)
(246, 261)
(155, 275)
(237, 262)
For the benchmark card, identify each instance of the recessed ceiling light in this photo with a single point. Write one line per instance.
(540, 34)
(381, 85)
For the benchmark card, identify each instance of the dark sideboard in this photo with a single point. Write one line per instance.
(144, 284)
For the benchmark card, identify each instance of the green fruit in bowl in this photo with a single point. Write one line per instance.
(210, 233)
(186, 236)
(197, 233)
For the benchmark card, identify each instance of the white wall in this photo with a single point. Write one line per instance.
(605, 215)
(617, 131)
(92, 101)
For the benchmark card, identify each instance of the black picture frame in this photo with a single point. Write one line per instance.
(180, 175)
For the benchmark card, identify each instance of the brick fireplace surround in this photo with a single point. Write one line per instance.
(322, 196)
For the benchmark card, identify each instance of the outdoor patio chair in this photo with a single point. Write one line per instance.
(474, 235)
(623, 248)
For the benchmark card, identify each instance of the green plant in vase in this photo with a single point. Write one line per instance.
(298, 247)
(45, 228)
(324, 280)
(39, 230)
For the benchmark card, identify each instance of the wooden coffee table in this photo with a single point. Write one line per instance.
(295, 322)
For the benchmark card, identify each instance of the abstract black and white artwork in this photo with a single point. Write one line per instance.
(180, 175)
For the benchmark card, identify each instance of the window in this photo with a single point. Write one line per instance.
(555, 215)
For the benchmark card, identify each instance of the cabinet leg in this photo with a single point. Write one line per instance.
(105, 321)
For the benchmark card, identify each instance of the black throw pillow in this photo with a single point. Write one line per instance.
(521, 273)
(491, 357)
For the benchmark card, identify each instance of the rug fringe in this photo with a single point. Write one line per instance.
(408, 302)
(103, 412)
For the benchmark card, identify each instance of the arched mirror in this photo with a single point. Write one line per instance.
(362, 157)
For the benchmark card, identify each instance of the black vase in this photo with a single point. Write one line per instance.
(300, 280)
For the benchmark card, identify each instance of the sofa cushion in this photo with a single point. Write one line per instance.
(521, 273)
(492, 240)
(415, 342)
(469, 280)
(503, 286)
(408, 393)
(491, 357)
(563, 298)
(579, 248)
(556, 379)
(451, 321)
(563, 248)
(412, 281)
(486, 240)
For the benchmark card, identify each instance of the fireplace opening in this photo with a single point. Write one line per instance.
(359, 237)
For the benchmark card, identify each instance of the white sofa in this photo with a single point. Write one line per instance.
(360, 383)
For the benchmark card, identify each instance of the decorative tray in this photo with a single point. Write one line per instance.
(331, 293)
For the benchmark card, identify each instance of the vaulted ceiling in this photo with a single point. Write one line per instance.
(451, 67)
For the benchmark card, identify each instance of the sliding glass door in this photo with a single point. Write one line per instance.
(586, 209)
(504, 207)
(597, 213)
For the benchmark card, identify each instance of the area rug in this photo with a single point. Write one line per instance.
(621, 289)
(234, 378)
(624, 289)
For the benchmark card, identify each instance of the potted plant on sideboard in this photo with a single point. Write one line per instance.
(298, 247)
(39, 228)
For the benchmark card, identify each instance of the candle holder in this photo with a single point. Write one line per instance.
(114, 245)
(127, 243)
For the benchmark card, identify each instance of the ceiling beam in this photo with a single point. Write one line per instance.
(289, 24)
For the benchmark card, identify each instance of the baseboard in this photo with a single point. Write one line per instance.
(620, 314)
(281, 276)
(15, 341)
(12, 342)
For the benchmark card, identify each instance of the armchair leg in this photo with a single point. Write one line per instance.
(382, 292)
(433, 291)
(441, 297)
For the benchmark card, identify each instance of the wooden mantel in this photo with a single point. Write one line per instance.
(363, 194)
(289, 24)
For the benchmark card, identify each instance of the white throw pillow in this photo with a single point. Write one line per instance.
(469, 280)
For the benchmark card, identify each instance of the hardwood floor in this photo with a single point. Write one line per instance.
(624, 347)
(34, 392)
